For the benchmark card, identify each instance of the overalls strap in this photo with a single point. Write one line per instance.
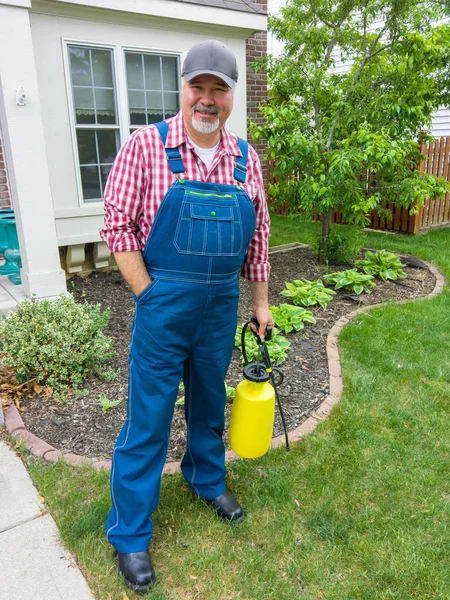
(176, 162)
(240, 170)
(173, 154)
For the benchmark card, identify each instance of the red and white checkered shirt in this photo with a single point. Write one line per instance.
(141, 176)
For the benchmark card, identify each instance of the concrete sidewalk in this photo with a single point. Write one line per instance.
(34, 564)
(10, 295)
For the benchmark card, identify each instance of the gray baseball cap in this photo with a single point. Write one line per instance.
(211, 57)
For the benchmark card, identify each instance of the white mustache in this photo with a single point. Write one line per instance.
(211, 110)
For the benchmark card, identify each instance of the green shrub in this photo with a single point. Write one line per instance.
(278, 346)
(308, 293)
(382, 264)
(340, 245)
(58, 344)
(351, 280)
(291, 318)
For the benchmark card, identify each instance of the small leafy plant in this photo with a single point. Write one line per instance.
(107, 404)
(308, 293)
(338, 246)
(382, 264)
(231, 391)
(278, 346)
(291, 318)
(58, 344)
(351, 280)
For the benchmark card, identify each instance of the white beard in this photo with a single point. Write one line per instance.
(203, 126)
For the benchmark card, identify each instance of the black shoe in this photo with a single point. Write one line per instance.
(227, 507)
(137, 570)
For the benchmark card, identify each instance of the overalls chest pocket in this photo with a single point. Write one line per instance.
(209, 225)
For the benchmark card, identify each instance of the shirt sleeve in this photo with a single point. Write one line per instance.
(123, 198)
(256, 265)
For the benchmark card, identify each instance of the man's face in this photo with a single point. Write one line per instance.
(206, 103)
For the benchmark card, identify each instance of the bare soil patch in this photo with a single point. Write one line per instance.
(81, 426)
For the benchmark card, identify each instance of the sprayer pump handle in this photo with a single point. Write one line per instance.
(269, 329)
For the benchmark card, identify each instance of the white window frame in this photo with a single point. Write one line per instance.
(121, 96)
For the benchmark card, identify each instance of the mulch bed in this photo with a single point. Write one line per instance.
(81, 426)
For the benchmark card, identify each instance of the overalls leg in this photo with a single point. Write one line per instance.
(203, 465)
(155, 371)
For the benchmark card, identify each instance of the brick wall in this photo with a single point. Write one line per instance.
(256, 46)
(5, 198)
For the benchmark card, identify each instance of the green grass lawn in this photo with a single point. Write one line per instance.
(360, 510)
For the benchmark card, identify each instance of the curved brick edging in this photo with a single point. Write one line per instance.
(16, 427)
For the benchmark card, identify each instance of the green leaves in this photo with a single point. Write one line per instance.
(59, 344)
(382, 264)
(291, 318)
(278, 346)
(107, 404)
(308, 293)
(351, 280)
(345, 139)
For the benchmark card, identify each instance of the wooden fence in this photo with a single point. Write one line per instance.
(434, 213)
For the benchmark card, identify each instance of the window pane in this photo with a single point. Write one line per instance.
(154, 107)
(87, 151)
(102, 68)
(80, 67)
(107, 145)
(135, 74)
(104, 100)
(171, 104)
(90, 182)
(137, 108)
(84, 105)
(170, 73)
(152, 72)
(105, 169)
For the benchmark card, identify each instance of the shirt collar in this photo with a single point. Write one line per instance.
(177, 136)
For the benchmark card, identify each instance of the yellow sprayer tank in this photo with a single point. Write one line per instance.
(252, 417)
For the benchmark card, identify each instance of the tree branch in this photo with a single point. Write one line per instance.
(365, 60)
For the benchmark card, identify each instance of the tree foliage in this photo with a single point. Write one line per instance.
(348, 141)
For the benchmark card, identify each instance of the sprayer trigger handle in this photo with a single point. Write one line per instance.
(269, 329)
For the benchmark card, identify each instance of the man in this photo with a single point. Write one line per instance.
(185, 212)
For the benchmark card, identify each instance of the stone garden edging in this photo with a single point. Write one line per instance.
(16, 427)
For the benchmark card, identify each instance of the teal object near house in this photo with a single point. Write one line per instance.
(9, 245)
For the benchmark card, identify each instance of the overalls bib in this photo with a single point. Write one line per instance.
(183, 328)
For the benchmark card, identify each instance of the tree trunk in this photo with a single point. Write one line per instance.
(326, 228)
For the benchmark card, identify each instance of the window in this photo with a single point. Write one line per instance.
(151, 84)
(96, 119)
(153, 88)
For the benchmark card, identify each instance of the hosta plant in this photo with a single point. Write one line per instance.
(278, 346)
(351, 280)
(308, 293)
(291, 318)
(382, 264)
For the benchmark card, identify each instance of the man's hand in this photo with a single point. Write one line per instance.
(265, 318)
(260, 294)
(133, 269)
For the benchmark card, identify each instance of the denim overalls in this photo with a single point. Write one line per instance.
(183, 328)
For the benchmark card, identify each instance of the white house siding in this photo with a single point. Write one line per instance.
(440, 126)
(76, 222)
